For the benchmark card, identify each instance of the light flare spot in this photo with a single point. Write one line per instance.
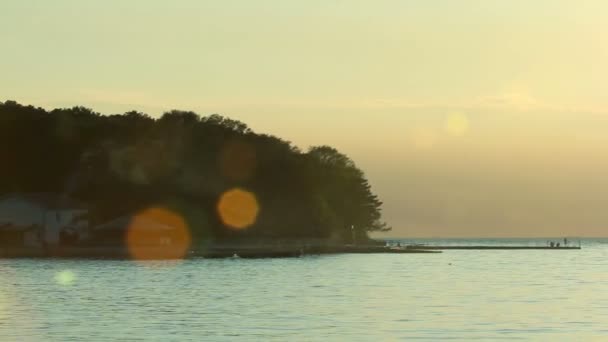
(238, 161)
(238, 208)
(158, 233)
(423, 138)
(457, 124)
(65, 277)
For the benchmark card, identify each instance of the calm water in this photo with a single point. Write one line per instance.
(536, 295)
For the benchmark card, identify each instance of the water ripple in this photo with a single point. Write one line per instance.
(481, 295)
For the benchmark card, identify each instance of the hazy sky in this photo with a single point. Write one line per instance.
(471, 118)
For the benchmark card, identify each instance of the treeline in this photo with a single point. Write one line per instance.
(121, 164)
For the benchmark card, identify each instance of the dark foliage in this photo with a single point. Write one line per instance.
(120, 164)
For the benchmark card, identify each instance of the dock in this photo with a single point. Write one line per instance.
(449, 247)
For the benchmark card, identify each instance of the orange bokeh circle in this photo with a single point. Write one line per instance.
(238, 208)
(158, 233)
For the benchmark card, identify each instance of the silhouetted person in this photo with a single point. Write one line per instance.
(565, 242)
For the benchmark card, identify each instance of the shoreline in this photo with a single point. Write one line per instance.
(242, 251)
(164, 253)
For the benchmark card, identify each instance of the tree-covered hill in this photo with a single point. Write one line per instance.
(186, 163)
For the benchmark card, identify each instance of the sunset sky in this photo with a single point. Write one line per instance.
(470, 118)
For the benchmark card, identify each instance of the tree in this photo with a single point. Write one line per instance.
(123, 163)
(344, 194)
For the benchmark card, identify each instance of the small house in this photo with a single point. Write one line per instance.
(41, 219)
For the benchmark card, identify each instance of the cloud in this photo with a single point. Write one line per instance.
(526, 102)
(518, 101)
(126, 98)
(514, 101)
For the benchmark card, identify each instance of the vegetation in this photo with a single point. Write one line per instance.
(121, 164)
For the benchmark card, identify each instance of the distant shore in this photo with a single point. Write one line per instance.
(242, 251)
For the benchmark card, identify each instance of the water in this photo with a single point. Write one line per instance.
(461, 295)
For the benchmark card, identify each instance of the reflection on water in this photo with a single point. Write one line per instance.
(535, 295)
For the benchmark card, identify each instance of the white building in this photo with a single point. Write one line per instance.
(41, 219)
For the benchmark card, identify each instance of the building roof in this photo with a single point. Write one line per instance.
(47, 200)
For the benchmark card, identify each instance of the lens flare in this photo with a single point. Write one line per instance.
(457, 124)
(423, 138)
(237, 161)
(158, 233)
(238, 208)
(65, 278)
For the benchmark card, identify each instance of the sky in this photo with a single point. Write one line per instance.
(470, 118)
